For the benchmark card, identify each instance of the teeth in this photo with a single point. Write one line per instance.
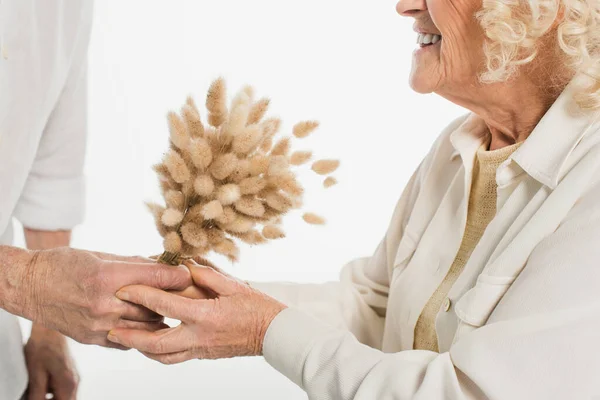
(428, 38)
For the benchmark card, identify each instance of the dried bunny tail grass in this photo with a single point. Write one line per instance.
(204, 185)
(329, 182)
(223, 166)
(252, 185)
(194, 124)
(176, 166)
(278, 201)
(278, 165)
(189, 101)
(249, 91)
(194, 235)
(240, 108)
(175, 199)
(325, 167)
(271, 127)
(172, 217)
(178, 131)
(229, 215)
(273, 232)
(215, 236)
(227, 248)
(252, 238)
(258, 111)
(212, 210)
(228, 194)
(157, 212)
(259, 164)
(242, 171)
(313, 219)
(300, 157)
(266, 144)
(241, 224)
(251, 206)
(305, 128)
(172, 243)
(248, 139)
(216, 103)
(288, 183)
(282, 147)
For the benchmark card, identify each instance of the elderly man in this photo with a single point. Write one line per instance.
(43, 69)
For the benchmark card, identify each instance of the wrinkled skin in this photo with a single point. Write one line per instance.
(221, 317)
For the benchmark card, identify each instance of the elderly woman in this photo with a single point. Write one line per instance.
(487, 283)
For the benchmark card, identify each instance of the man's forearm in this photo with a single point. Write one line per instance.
(45, 240)
(14, 263)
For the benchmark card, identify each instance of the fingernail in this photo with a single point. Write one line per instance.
(113, 338)
(123, 295)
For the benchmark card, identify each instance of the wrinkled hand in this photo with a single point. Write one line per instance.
(73, 292)
(50, 366)
(230, 324)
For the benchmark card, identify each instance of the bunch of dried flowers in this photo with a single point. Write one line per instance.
(231, 179)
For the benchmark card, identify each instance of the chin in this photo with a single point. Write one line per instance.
(420, 84)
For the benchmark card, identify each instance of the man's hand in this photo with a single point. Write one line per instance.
(51, 368)
(73, 291)
(231, 324)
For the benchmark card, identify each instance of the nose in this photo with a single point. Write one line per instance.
(408, 8)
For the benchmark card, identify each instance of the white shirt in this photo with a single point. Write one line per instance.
(523, 319)
(43, 86)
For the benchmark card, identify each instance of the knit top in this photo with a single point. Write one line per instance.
(481, 210)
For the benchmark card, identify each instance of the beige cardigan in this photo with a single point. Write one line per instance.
(523, 319)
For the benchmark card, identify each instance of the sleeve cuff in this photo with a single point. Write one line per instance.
(289, 339)
(51, 204)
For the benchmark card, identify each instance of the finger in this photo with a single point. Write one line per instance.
(171, 358)
(207, 277)
(65, 386)
(204, 261)
(160, 342)
(156, 275)
(38, 385)
(130, 259)
(159, 301)
(145, 326)
(134, 312)
(195, 292)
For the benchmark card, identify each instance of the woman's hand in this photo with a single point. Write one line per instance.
(230, 324)
(50, 366)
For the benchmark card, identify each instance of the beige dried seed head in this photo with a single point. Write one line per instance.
(204, 185)
(282, 147)
(330, 181)
(313, 219)
(273, 232)
(223, 166)
(325, 167)
(175, 199)
(192, 120)
(258, 111)
(228, 194)
(194, 235)
(300, 157)
(176, 167)
(172, 217)
(305, 128)
(172, 243)
(178, 131)
(201, 153)
(212, 210)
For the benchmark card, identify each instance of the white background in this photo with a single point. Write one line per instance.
(344, 63)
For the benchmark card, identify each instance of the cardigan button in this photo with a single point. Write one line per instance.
(447, 304)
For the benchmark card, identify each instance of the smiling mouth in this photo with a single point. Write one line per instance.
(428, 39)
